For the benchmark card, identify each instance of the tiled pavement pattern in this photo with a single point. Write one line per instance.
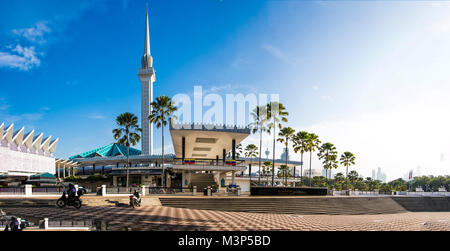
(167, 218)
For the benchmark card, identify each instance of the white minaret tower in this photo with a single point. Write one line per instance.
(147, 77)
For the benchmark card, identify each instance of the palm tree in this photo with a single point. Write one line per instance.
(251, 151)
(259, 115)
(312, 145)
(127, 134)
(284, 172)
(347, 159)
(277, 112)
(301, 145)
(162, 109)
(238, 152)
(286, 134)
(328, 153)
(266, 169)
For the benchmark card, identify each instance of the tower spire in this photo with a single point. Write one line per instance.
(147, 60)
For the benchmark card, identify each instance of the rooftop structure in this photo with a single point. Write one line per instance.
(25, 153)
(205, 141)
(108, 151)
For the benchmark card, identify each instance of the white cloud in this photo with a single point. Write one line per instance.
(34, 34)
(23, 58)
(24, 55)
(325, 97)
(7, 117)
(96, 116)
(315, 87)
(274, 51)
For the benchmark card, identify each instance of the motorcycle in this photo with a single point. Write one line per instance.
(66, 201)
(135, 200)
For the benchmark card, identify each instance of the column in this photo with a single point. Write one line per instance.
(58, 170)
(64, 171)
(233, 149)
(224, 155)
(232, 178)
(183, 149)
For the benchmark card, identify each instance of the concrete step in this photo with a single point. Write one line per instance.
(290, 205)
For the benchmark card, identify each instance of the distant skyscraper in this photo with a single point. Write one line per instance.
(147, 77)
(283, 155)
(374, 177)
(380, 175)
(327, 174)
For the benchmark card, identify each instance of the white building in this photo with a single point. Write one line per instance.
(25, 154)
(314, 172)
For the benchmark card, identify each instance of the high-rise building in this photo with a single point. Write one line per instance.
(147, 77)
(283, 155)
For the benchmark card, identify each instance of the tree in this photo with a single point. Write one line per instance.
(251, 151)
(347, 159)
(353, 176)
(328, 154)
(300, 141)
(339, 180)
(238, 152)
(259, 115)
(284, 172)
(277, 113)
(267, 169)
(127, 134)
(312, 145)
(286, 134)
(162, 110)
(319, 181)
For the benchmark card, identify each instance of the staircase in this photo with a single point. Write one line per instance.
(424, 204)
(304, 206)
(202, 180)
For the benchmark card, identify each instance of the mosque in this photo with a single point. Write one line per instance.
(201, 151)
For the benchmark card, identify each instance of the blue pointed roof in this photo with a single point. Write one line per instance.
(108, 151)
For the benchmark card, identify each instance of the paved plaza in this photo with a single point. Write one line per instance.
(168, 219)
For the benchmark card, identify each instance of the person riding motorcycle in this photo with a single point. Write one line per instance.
(15, 224)
(72, 191)
(135, 199)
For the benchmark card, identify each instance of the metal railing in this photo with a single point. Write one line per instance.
(121, 190)
(166, 190)
(148, 190)
(47, 190)
(12, 190)
(67, 223)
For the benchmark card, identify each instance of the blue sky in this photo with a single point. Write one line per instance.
(370, 77)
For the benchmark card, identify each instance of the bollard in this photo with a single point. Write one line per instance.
(103, 190)
(239, 191)
(28, 190)
(208, 191)
(45, 223)
(143, 190)
(194, 190)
